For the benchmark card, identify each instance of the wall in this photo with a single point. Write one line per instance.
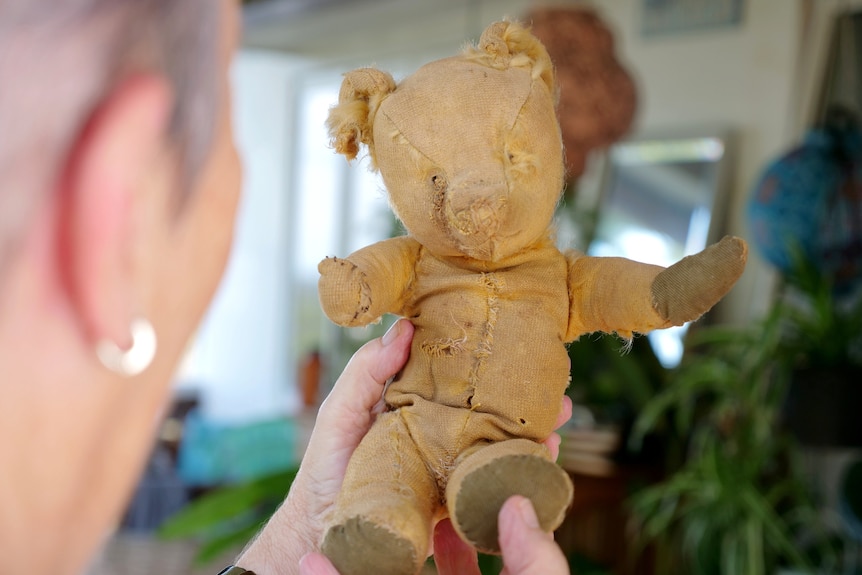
(758, 79)
(754, 78)
(740, 78)
(237, 362)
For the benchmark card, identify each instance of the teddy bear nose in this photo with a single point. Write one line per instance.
(475, 212)
(482, 217)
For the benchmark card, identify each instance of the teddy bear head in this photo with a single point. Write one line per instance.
(469, 147)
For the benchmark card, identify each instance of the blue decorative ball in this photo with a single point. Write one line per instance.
(810, 200)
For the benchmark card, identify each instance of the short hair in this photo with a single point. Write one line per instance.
(58, 59)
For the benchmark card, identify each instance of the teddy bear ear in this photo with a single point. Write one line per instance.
(350, 121)
(509, 43)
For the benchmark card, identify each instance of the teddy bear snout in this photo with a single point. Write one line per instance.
(475, 218)
(474, 213)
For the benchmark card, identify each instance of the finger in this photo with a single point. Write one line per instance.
(527, 550)
(348, 408)
(451, 555)
(553, 445)
(565, 412)
(362, 381)
(346, 415)
(316, 564)
(554, 440)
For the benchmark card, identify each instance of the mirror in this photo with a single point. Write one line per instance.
(658, 204)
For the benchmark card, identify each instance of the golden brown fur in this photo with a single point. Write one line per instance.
(470, 151)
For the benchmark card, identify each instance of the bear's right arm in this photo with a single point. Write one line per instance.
(620, 295)
(372, 281)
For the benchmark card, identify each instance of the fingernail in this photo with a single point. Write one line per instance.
(392, 333)
(528, 514)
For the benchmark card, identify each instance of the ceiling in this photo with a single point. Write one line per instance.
(371, 29)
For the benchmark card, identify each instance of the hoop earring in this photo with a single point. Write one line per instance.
(137, 358)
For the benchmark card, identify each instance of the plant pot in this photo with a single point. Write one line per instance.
(824, 406)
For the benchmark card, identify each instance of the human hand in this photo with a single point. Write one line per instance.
(343, 420)
(553, 441)
(527, 550)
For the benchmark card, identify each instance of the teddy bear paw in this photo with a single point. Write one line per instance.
(359, 546)
(344, 292)
(689, 288)
(481, 484)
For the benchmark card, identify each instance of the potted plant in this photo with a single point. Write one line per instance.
(821, 344)
(228, 517)
(736, 504)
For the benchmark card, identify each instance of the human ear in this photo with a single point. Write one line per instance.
(109, 165)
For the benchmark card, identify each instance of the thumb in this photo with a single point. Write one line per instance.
(346, 415)
(527, 550)
(361, 383)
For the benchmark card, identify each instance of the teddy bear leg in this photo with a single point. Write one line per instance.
(384, 511)
(487, 477)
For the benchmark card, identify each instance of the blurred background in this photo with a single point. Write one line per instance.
(730, 446)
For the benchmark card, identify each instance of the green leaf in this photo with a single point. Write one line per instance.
(732, 559)
(774, 528)
(659, 520)
(213, 548)
(227, 503)
(754, 548)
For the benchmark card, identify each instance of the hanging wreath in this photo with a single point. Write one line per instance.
(597, 95)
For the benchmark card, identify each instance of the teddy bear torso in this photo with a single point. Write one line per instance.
(516, 315)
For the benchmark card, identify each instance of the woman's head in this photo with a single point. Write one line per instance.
(58, 59)
(119, 182)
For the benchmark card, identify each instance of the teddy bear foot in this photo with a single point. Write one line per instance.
(481, 484)
(359, 546)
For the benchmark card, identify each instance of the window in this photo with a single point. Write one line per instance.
(301, 202)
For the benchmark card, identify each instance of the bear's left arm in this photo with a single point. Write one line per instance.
(359, 289)
(624, 296)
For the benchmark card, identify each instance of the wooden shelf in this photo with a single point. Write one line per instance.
(596, 525)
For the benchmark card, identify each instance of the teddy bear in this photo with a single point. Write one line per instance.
(469, 149)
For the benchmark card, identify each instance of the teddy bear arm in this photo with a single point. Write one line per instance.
(610, 294)
(372, 281)
(624, 296)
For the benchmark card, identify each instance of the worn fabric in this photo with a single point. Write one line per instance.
(470, 152)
